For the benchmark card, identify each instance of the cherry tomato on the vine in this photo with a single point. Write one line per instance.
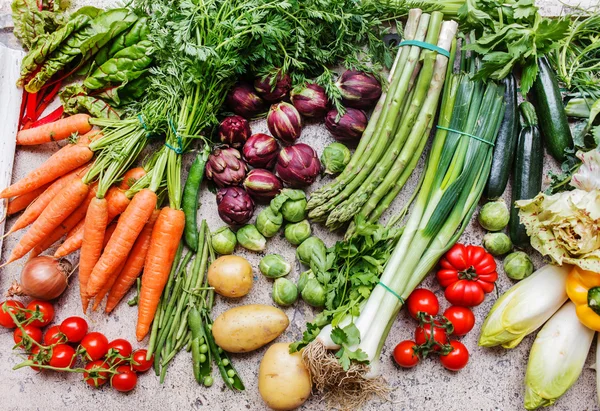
(462, 319)
(139, 363)
(457, 358)
(54, 336)
(404, 354)
(74, 328)
(95, 346)
(33, 332)
(124, 380)
(42, 311)
(5, 318)
(96, 374)
(37, 357)
(423, 334)
(422, 300)
(63, 356)
(119, 350)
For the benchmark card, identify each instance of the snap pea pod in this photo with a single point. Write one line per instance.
(230, 376)
(195, 324)
(190, 198)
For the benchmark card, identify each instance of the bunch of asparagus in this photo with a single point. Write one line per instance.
(397, 132)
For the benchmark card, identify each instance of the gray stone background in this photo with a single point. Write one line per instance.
(493, 379)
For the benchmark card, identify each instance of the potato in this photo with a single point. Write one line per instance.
(283, 380)
(248, 327)
(231, 276)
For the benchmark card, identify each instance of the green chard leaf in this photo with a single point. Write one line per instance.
(75, 100)
(30, 22)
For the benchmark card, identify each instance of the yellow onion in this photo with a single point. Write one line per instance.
(43, 278)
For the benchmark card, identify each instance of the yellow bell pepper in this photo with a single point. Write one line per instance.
(583, 288)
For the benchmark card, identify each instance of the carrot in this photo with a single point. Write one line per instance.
(20, 203)
(60, 163)
(117, 202)
(130, 225)
(61, 206)
(94, 229)
(133, 266)
(131, 176)
(107, 287)
(58, 130)
(166, 234)
(110, 229)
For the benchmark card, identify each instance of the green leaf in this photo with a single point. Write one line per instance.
(528, 76)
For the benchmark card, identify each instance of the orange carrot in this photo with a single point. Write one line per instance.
(94, 229)
(107, 287)
(130, 225)
(108, 234)
(20, 203)
(133, 266)
(61, 206)
(166, 234)
(131, 176)
(58, 130)
(60, 163)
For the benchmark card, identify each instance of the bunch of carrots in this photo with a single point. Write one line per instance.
(88, 193)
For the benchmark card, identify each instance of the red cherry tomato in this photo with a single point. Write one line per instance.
(96, 374)
(119, 350)
(5, 319)
(74, 328)
(54, 336)
(33, 332)
(63, 356)
(95, 345)
(404, 354)
(139, 363)
(456, 359)
(424, 334)
(37, 357)
(461, 318)
(124, 380)
(422, 300)
(42, 312)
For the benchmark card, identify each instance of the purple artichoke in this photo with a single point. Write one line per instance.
(298, 165)
(284, 122)
(261, 150)
(311, 101)
(273, 89)
(234, 130)
(359, 89)
(226, 167)
(244, 100)
(349, 127)
(235, 206)
(262, 185)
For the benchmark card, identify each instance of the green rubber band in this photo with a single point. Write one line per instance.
(143, 123)
(392, 292)
(466, 134)
(425, 45)
(177, 150)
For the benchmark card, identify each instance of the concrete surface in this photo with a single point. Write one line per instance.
(493, 380)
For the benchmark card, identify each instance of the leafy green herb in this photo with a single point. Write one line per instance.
(345, 338)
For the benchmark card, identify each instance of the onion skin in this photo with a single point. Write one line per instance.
(43, 278)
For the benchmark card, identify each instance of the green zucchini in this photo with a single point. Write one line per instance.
(528, 171)
(506, 142)
(551, 112)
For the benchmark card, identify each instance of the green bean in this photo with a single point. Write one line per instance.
(190, 198)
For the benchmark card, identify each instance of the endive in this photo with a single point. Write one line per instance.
(525, 307)
(556, 358)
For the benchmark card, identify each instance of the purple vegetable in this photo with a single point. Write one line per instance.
(244, 100)
(235, 206)
(262, 185)
(298, 165)
(226, 167)
(359, 89)
(284, 122)
(273, 89)
(349, 127)
(261, 150)
(311, 101)
(234, 130)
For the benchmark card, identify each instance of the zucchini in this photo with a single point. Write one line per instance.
(506, 142)
(551, 112)
(528, 171)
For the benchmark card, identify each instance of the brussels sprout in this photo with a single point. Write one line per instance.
(298, 232)
(310, 246)
(497, 243)
(291, 203)
(284, 292)
(335, 157)
(518, 265)
(249, 238)
(224, 241)
(273, 266)
(269, 222)
(494, 216)
(304, 277)
(314, 293)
